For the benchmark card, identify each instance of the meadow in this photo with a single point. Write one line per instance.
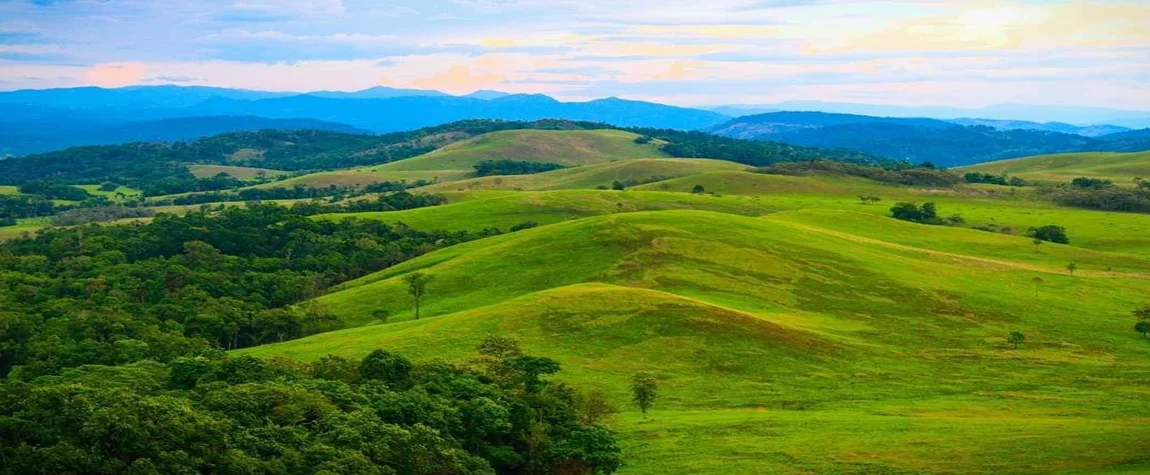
(1121, 168)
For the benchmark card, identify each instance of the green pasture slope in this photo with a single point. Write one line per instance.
(594, 176)
(241, 173)
(1122, 168)
(805, 341)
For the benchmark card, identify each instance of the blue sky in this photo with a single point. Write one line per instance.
(967, 53)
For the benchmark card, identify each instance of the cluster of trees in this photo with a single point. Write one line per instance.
(755, 153)
(623, 184)
(926, 213)
(893, 172)
(53, 191)
(183, 284)
(494, 414)
(1143, 324)
(513, 167)
(975, 177)
(1103, 195)
(13, 207)
(1049, 233)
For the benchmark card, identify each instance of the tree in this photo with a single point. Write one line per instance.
(927, 213)
(1071, 267)
(380, 365)
(698, 189)
(1016, 338)
(1037, 281)
(1050, 232)
(644, 390)
(417, 287)
(1142, 327)
(1142, 313)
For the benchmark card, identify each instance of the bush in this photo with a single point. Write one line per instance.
(927, 213)
(1049, 233)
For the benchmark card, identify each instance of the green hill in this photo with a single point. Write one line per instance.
(1122, 168)
(592, 176)
(564, 147)
(772, 335)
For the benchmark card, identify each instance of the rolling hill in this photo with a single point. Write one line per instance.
(1122, 168)
(632, 171)
(787, 323)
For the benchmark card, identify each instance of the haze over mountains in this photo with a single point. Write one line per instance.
(34, 121)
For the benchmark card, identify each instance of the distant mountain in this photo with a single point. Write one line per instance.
(36, 137)
(135, 97)
(919, 140)
(57, 118)
(1072, 115)
(1061, 127)
(487, 95)
(378, 92)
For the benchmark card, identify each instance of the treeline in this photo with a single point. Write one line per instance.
(335, 192)
(513, 167)
(54, 191)
(182, 285)
(13, 207)
(991, 179)
(894, 172)
(1102, 194)
(757, 153)
(383, 414)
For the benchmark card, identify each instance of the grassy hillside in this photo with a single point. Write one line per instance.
(772, 335)
(565, 147)
(475, 211)
(592, 176)
(1122, 168)
(242, 173)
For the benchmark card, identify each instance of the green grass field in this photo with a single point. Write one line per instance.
(242, 173)
(593, 176)
(811, 341)
(9, 190)
(1122, 168)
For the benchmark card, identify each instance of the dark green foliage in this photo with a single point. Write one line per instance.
(698, 189)
(1049, 233)
(23, 206)
(392, 370)
(98, 214)
(53, 191)
(1016, 338)
(109, 186)
(927, 213)
(4, 222)
(644, 390)
(750, 152)
(182, 285)
(417, 288)
(643, 139)
(1101, 195)
(241, 415)
(618, 185)
(1142, 327)
(513, 167)
(1085, 182)
(899, 173)
(524, 225)
(975, 177)
(1142, 313)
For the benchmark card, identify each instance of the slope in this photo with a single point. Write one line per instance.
(1122, 168)
(643, 170)
(800, 328)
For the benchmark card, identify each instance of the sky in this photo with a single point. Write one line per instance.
(968, 53)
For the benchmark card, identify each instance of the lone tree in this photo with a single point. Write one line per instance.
(1071, 267)
(1050, 232)
(698, 189)
(1016, 338)
(644, 390)
(1142, 327)
(1037, 282)
(417, 287)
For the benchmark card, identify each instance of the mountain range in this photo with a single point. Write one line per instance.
(945, 143)
(35, 121)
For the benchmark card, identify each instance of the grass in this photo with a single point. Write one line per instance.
(114, 195)
(593, 176)
(241, 173)
(816, 341)
(475, 211)
(1122, 168)
(22, 227)
(9, 190)
(565, 147)
(363, 176)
